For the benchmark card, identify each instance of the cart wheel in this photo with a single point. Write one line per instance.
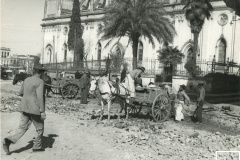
(56, 89)
(69, 90)
(134, 108)
(161, 108)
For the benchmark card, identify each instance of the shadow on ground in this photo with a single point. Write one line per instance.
(47, 143)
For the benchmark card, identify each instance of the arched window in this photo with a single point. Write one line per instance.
(65, 52)
(50, 54)
(117, 51)
(99, 51)
(2, 54)
(222, 51)
(189, 54)
(140, 51)
(5, 54)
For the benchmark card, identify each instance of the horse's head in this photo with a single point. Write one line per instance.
(19, 77)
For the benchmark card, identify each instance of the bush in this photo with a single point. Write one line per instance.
(221, 76)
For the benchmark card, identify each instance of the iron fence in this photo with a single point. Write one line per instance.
(152, 67)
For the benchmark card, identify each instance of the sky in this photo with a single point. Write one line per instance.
(20, 26)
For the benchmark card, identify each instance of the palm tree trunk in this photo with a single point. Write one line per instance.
(195, 47)
(134, 47)
(195, 52)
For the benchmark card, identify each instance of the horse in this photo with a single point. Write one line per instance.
(109, 91)
(22, 76)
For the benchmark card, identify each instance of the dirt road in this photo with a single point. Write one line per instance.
(72, 131)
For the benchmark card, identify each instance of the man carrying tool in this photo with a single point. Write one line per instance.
(200, 101)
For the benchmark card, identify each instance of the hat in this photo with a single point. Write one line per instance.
(183, 86)
(141, 68)
(39, 67)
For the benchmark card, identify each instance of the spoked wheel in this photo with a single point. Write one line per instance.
(55, 87)
(134, 108)
(161, 108)
(70, 90)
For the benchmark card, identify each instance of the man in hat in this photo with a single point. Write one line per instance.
(32, 109)
(131, 77)
(84, 85)
(182, 97)
(200, 101)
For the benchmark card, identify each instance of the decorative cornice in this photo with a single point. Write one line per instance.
(67, 22)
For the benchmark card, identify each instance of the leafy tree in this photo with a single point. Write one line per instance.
(75, 41)
(196, 11)
(136, 19)
(170, 56)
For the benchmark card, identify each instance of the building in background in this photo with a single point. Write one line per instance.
(16, 62)
(218, 39)
(7, 59)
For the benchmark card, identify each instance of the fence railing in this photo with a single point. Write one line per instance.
(152, 66)
(204, 67)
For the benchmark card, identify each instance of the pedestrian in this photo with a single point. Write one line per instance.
(200, 101)
(32, 109)
(84, 85)
(131, 77)
(78, 75)
(62, 74)
(182, 98)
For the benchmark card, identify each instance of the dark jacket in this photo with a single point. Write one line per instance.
(78, 75)
(33, 97)
(84, 81)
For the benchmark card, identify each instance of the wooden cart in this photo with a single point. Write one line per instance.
(68, 87)
(156, 98)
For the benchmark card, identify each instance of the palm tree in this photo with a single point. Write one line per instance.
(136, 19)
(170, 56)
(196, 11)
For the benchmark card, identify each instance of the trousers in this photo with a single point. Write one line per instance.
(199, 111)
(178, 111)
(129, 83)
(26, 120)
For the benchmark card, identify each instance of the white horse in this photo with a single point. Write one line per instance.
(109, 91)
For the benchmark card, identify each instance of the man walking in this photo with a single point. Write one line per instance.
(200, 101)
(84, 84)
(32, 109)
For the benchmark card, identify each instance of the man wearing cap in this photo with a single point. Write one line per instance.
(131, 77)
(179, 103)
(32, 109)
(200, 100)
(84, 85)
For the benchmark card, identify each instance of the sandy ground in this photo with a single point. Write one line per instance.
(72, 132)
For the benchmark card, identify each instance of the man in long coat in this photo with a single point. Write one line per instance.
(32, 109)
(84, 85)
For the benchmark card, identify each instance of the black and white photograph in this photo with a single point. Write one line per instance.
(120, 79)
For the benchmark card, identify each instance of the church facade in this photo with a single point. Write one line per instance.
(218, 40)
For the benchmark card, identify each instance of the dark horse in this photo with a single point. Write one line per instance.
(22, 76)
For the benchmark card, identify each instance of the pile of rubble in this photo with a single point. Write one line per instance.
(175, 142)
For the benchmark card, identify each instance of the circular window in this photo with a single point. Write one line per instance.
(222, 19)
